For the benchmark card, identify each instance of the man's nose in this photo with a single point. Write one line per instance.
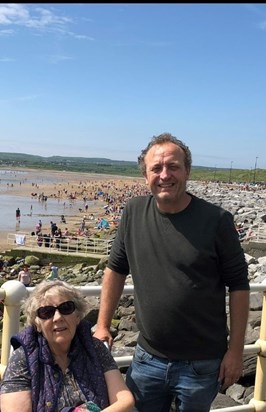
(164, 172)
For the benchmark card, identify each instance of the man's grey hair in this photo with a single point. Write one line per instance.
(160, 140)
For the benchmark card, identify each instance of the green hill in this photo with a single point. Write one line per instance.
(121, 167)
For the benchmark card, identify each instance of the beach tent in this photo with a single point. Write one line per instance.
(103, 224)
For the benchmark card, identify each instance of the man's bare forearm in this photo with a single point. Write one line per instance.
(112, 288)
(239, 310)
(232, 363)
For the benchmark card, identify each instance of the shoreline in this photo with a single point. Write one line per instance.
(105, 191)
(102, 193)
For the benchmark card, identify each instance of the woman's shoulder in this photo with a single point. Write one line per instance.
(17, 360)
(105, 356)
(16, 376)
(18, 355)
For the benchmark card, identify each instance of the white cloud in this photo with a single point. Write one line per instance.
(13, 13)
(54, 59)
(262, 25)
(253, 8)
(80, 36)
(36, 18)
(5, 33)
(6, 59)
(46, 19)
(19, 99)
(22, 15)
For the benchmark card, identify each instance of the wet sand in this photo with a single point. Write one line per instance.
(59, 186)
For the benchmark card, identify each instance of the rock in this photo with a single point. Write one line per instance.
(127, 323)
(256, 299)
(102, 263)
(235, 392)
(9, 260)
(32, 260)
(223, 401)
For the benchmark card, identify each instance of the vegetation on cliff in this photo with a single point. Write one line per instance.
(123, 168)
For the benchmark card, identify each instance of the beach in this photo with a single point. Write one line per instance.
(84, 199)
(49, 195)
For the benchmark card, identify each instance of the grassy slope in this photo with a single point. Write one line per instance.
(123, 168)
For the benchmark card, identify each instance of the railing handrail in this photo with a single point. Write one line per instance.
(92, 245)
(13, 292)
(87, 246)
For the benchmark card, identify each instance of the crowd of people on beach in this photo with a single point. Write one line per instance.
(89, 207)
(107, 197)
(107, 200)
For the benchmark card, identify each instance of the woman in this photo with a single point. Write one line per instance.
(24, 276)
(57, 364)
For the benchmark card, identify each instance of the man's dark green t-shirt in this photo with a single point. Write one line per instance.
(181, 264)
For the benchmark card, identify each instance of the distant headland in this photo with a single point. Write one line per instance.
(123, 168)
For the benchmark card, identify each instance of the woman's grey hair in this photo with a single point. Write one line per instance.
(160, 140)
(46, 288)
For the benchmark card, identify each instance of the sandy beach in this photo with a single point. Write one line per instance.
(81, 195)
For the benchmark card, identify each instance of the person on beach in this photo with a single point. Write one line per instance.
(56, 365)
(38, 227)
(182, 252)
(54, 228)
(39, 239)
(54, 272)
(18, 215)
(2, 265)
(24, 276)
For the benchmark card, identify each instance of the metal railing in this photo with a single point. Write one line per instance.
(89, 246)
(259, 235)
(13, 292)
(67, 245)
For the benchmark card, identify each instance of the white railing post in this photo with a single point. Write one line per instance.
(259, 399)
(15, 291)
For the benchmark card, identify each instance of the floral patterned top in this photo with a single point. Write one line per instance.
(17, 377)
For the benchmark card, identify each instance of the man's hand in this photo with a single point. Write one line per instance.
(231, 369)
(104, 335)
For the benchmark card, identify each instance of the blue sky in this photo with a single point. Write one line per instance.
(99, 80)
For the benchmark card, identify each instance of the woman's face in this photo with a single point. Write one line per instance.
(60, 329)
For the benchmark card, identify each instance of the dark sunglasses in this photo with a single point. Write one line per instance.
(47, 312)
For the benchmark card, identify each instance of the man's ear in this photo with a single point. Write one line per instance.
(145, 177)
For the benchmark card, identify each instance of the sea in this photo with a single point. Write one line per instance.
(31, 208)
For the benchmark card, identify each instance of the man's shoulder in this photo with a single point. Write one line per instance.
(137, 205)
(140, 200)
(207, 205)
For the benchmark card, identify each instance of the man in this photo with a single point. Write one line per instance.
(182, 253)
(54, 228)
(18, 214)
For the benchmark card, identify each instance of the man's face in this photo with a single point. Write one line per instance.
(166, 175)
